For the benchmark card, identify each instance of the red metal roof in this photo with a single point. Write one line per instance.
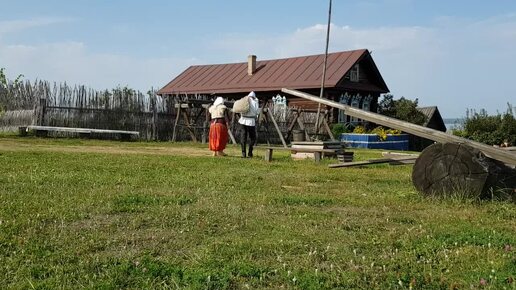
(271, 75)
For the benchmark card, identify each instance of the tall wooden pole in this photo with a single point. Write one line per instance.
(321, 95)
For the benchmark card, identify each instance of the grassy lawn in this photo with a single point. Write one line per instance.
(110, 215)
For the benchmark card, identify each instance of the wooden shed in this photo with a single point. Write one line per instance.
(434, 121)
(352, 78)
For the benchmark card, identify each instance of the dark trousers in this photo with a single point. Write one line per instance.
(244, 132)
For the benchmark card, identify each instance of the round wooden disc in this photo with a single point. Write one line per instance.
(446, 169)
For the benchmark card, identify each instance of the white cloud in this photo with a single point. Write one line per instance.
(455, 64)
(13, 26)
(73, 63)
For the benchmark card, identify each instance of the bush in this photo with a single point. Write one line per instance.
(340, 128)
(359, 130)
(492, 130)
(380, 131)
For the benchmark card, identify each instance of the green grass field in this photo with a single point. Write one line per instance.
(111, 215)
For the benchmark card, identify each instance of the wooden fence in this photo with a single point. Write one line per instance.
(62, 105)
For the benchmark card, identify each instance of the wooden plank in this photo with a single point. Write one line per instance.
(505, 156)
(81, 130)
(304, 150)
(174, 131)
(231, 136)
(398, 155)
(302, 126)
(369, 162)
(327, 127)
(292, 124)
(318, 153)
(188, 106)
(403, 162)
(188, 126)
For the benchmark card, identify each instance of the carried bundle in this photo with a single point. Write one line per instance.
(241, 106)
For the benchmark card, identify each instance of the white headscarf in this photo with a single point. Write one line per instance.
(252, 94)
(218, 101)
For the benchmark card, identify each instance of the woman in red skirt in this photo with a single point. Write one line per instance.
(218, 128)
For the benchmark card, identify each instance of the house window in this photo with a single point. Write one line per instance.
(366, 103)
(344, 99)
(355, 103)
(354, 73)
(279, 109)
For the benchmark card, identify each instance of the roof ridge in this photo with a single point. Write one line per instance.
(284, 58)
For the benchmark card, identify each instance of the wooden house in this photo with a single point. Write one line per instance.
(352, 78)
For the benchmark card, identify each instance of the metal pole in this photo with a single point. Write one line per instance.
(324, 71)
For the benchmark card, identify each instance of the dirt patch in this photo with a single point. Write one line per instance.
(13, 146)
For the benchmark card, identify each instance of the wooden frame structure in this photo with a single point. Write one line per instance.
(191, 113)
(185, 112)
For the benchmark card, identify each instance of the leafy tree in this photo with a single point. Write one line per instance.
(402, 109)
(3, 87)
(3, 78)
(4, 84)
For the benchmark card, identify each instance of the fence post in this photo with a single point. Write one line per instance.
(41, 111)
(205, 125)
(154, 119)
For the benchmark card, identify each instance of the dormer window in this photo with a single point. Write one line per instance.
(354, 73)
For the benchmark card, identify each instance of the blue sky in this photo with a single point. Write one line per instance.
(454, 54)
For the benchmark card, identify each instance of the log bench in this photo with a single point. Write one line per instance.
(318, 153)
(43, 130)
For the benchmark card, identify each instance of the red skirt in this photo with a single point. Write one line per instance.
(218, 136)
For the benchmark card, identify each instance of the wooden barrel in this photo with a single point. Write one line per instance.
(298, 135)
(453, 169)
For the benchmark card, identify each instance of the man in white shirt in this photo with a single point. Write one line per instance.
(247, 123)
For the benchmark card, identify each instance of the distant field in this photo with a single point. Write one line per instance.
(111, 215)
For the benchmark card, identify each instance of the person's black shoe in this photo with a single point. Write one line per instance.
(243, 155)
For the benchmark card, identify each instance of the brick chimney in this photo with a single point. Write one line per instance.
(251, 64)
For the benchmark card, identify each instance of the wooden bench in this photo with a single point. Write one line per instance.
(318, 153)
(124, 135)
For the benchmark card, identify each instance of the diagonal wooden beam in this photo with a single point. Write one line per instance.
(176, 123)
(438, 136)
(186, 117)
(327, 127)
(292, 124)
(277, 127)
